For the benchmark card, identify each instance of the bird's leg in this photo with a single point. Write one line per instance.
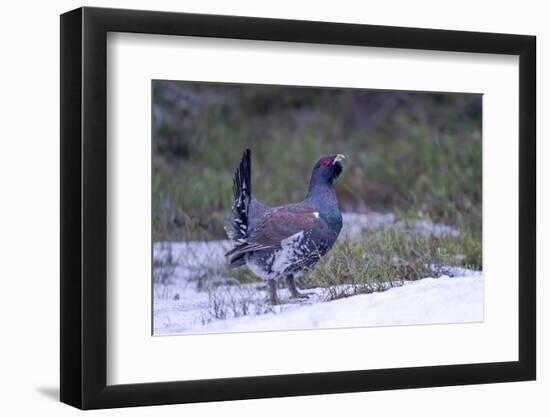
(272, 287)
(294, 293)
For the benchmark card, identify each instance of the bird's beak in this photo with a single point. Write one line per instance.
(338, 158)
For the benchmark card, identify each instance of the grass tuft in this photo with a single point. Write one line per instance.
(383, 259)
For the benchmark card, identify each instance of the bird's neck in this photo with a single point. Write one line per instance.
(321, 197)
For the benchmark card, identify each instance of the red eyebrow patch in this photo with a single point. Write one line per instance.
(324, 162)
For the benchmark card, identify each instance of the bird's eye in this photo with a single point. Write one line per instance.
(324, 162)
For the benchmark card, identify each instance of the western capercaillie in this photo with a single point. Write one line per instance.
(288, 240)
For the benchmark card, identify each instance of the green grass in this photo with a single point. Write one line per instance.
(383, 259)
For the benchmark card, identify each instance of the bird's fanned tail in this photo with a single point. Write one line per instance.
(237, 227)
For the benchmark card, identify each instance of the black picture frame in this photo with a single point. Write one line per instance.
(84, 207)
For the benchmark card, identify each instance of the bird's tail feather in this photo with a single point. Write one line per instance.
(237, 263)
(237, 229)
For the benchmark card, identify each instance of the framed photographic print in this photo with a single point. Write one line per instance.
(258, 207)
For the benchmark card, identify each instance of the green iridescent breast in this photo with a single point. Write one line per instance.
(333, 218)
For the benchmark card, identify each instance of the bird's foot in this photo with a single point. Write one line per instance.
(272, 297)
(273, 301)
(294, 293)
(299, 295)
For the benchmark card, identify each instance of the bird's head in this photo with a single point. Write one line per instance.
(329, 167)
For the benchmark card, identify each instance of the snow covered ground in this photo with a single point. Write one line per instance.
(427, 301)
(199, 298)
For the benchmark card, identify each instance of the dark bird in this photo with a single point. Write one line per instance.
(284, 241)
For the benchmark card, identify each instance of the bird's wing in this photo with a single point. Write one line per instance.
(277, 225)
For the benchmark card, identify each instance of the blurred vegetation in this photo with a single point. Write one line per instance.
(412, 153)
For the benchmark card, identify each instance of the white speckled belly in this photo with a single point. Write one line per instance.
(295, 257)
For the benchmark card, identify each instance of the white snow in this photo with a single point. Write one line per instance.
(428, 301)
